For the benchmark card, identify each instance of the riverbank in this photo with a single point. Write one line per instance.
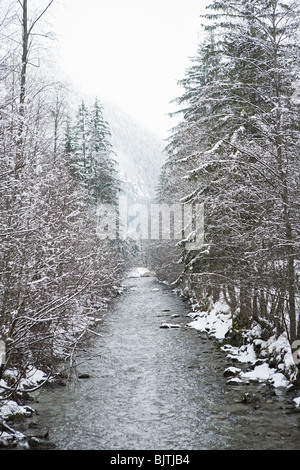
(243, 365)
(16, 409)
(263, 361)
(16, 432)
(270, 361)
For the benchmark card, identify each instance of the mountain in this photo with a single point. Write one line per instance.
(138, 151)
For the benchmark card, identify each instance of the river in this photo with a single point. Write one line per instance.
(152, 388)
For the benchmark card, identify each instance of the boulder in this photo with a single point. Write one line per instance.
(169, 325)
(231, 372)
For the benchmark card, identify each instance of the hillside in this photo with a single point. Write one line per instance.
(138, 152)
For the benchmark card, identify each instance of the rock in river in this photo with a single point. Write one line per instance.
(169, 325)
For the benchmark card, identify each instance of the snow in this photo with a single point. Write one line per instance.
(233, 370)
(10, 408)
(33, 377)
(281, 349)
(297, 402)
(169, 325)
(217, 321)
(264, 373)
(234, 380)
(6, 437)
(242, 354)
(139, 272)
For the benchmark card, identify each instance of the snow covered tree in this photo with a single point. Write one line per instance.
(54, 270)
(236, 149)
(79, 162)
(90, 154)
(103, 181)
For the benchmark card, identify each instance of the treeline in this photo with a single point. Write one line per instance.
(236, 149)
(55, 273)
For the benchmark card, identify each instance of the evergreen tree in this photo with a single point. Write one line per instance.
(236, 149)
(79, 145)
(90, 153)
(103, 180)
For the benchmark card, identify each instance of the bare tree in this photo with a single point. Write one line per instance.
(28, 27)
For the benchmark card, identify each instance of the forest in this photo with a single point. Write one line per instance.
(57, 165)
(235, 150)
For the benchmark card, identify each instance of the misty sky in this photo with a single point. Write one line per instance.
(130, 52)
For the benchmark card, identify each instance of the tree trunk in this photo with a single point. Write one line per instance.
(25, 43)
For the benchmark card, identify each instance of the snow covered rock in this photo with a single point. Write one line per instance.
(8, 440)
(234, 381)
(11, 409)
(216, 322)
(297, 402)
(169, 325)
(243, 354)
(231, 371)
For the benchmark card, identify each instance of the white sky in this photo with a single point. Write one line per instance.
(130, 52)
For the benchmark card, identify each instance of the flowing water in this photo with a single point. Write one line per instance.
(151, 388)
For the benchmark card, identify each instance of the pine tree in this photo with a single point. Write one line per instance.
(79, 145)
(103, 180)
(238, 141)
(90, 153)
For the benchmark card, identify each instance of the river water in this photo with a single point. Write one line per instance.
(151, 388)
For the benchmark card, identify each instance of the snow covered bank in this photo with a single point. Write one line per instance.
(260, 373)
(11, 410)
(266, 361)
(33, 378)
(273, 364)
(216, 322)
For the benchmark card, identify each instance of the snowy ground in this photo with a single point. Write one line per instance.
(10, 409)
(218, 321)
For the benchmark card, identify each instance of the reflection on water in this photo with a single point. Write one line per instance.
(154, 388)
